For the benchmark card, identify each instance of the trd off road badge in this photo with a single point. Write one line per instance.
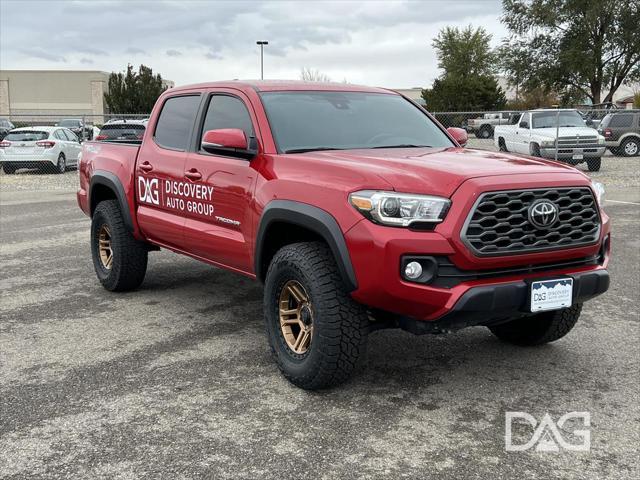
(191, 198)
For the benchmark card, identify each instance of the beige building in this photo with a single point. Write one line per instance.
(54, 92)
(59, 93)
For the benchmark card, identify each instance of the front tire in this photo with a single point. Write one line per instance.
(502, 145)
(120, 261)
(538, 329)
(534, 150)
(593, 164)
(317, 333)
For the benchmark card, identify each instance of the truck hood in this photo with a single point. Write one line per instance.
(429, 170)
(565, 132)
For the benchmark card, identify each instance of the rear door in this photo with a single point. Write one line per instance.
(219, 217)
(159, 173)
(73, 148)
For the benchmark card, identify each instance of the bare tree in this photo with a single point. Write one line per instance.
(309, 75)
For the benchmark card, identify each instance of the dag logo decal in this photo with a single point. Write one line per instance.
(148, 190)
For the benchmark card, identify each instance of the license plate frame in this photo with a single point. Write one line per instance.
(550, 294)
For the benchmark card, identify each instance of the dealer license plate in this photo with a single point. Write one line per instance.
(551, 294)
(578, 157)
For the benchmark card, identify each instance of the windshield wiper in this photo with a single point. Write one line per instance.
(311, 149)
(403, 145)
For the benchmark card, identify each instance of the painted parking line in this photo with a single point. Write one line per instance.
(620, 201)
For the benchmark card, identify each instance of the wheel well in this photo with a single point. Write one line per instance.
(280, 234)
(100, 193)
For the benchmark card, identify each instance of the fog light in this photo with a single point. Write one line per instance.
(413, 270)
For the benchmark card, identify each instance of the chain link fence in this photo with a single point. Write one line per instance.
(50, 143)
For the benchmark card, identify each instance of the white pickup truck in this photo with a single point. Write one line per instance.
(535, 134)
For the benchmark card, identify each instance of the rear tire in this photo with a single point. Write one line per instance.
(630, 147)
(540, 328)
(120, 261)
(61, 166)
(593, 164)
(339, 326)
(9, 169)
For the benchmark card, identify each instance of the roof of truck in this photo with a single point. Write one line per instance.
(286, 85)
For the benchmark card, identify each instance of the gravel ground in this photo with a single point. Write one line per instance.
(175, 380)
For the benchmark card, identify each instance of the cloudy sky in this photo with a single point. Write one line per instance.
(380, 43)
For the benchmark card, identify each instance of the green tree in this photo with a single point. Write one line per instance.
(576, 47)
(468, 64)
(636, 100)
(133, 92)
(454, 93)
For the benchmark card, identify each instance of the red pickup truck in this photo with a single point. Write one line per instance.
(356, 209)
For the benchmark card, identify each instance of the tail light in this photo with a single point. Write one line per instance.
(101, 137)
(4, 144)
(607, 132)
(46, 144)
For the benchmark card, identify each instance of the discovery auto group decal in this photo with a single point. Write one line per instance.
(192, 198)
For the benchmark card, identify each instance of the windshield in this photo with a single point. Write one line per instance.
(70, 123)
(313, 120)
(552, 119)
(26, 136)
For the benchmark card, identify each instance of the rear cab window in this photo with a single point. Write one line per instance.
(176, 121)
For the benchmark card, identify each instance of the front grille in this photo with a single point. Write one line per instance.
(499, 222)
(578, 142)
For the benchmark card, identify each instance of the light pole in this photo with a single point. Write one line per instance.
(262, 43)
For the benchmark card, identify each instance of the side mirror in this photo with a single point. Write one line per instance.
(226, 140)
(459, 135)
(524, 125)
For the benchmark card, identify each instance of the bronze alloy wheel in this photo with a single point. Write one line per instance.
(104, 247)
(296, 317)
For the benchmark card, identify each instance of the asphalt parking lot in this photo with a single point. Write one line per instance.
(175, 380)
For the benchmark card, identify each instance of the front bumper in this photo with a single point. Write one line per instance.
(565, 153)
(487, 305)
(377, 252)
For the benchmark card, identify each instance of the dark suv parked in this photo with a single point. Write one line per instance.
(621, 131)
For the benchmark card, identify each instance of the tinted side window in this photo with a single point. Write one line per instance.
(621, 120)
(176, 119)
(227, 112)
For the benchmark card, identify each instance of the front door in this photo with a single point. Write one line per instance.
(219, 217)
(159, 173)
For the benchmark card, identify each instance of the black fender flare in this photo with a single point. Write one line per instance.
(315, 219)
(108, 179)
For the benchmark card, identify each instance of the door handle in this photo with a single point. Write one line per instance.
(193, 174)
(146, 167)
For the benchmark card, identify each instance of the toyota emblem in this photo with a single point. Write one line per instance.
(543, 214)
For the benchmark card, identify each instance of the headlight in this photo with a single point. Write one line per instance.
(548, 144)
(598, 188)
(399, 209)
(600, 139)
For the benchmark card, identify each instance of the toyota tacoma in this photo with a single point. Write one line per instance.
(356, 209)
